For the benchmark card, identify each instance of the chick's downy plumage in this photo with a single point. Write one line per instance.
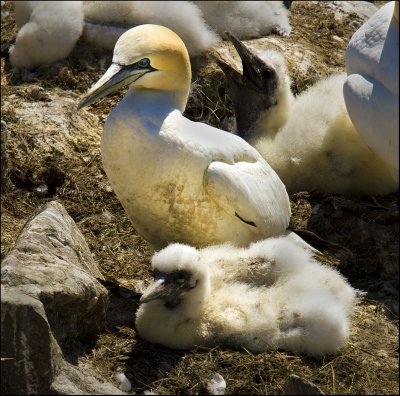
(272, 295)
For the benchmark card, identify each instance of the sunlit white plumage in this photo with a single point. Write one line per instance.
(180, 180)
(48, 31)
(246, 19)
(183, 17)
(309, 140)
(273, 294)
(371, 90)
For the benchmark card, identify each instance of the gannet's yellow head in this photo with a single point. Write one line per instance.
(396, 11)
(146, 57)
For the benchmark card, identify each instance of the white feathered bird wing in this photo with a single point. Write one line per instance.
(252, 192)
(236, 176)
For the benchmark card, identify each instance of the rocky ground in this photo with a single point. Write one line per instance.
(53, 153)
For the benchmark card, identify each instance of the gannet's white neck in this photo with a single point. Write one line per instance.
(149, 106)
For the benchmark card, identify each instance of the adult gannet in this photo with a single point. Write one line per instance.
(371, 90)
(274, 294)
(180, 180)
(309, 140)
(48, 31)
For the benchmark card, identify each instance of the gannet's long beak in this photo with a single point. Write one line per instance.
(116, 77)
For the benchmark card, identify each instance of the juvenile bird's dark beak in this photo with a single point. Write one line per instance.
(168, 288)
(251, 63)
(255, 69)
(157, 290)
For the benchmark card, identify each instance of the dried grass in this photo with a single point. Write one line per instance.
(367, 227)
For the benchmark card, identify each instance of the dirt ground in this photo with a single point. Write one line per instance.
(362, 232)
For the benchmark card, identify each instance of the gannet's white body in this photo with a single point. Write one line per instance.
(271, 295)
(48, 31)
(371, 90)
(309, 140)
(178, 180)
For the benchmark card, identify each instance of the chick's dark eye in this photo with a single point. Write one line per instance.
(144, 62)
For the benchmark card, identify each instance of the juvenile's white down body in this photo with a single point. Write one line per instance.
(48, 31)
(178, 180)
(272, 295)
(371, 90)
(309, 140)
(318, 148)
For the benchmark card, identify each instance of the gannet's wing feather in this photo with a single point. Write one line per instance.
(251, 191)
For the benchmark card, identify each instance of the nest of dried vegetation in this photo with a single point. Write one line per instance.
(365, 231)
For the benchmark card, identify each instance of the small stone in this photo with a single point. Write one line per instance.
(125, 384)
(217, 385)
(41, 191)
(296, 385)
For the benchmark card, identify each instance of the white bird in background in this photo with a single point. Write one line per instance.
(246, 19)
(48, 31)
(309, 140)
(178, 180)
(371, 90)
(272, 295)
(195, 22)
(105, 21)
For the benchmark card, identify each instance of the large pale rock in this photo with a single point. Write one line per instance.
(50, 296)
(27, 341)
(51, 261)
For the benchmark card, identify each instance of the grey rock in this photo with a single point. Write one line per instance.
(28, 342)
(3, 156)
(51, 261)
(50, 296)
(296, 385)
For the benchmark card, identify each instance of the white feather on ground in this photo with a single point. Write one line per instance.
(272, 295)
(48, 31)
(246, 19)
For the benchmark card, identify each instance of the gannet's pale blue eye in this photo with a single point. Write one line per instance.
(144, 62)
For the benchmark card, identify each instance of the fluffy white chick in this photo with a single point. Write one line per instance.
(107, 20)
(48, 31)
(246, 19)
(272, 295)
(309, 140)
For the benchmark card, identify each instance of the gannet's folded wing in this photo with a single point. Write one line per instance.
(252, 192)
